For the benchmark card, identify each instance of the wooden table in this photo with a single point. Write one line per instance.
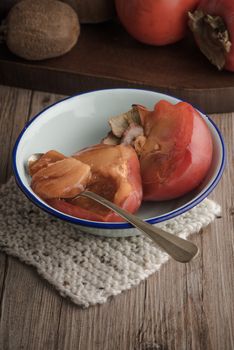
(182, 307)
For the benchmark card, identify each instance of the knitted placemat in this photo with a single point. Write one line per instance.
(86, 268)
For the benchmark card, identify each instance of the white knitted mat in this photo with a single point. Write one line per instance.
(87, 269)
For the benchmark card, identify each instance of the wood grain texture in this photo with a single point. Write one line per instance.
(14, 108)
(107, 57)
(183, 307)
(21, 106)
(219, 261)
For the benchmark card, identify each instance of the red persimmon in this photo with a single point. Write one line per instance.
(155, 22)
(177, 152)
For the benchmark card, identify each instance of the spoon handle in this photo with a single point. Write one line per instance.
(178, 248)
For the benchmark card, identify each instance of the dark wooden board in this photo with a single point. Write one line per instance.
(107, 57)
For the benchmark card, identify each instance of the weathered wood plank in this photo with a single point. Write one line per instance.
(164, 311)
(41, 100)
(30, 308)
(14, 107)
(218, 253)
(113, 325)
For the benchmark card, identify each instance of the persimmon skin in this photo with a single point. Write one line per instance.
(178, 151)
(155, 22)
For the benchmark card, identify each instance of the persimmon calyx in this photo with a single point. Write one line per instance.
(212, 36)
(126, 128)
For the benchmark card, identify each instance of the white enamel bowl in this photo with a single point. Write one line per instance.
(82, 120)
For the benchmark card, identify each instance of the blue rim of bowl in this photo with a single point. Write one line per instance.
(113, 225)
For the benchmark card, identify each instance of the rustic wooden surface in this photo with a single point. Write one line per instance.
(106, 56)
(182, 307)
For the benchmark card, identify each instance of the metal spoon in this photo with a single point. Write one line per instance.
(178, 248)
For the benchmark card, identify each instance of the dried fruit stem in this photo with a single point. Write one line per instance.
(212, 36)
